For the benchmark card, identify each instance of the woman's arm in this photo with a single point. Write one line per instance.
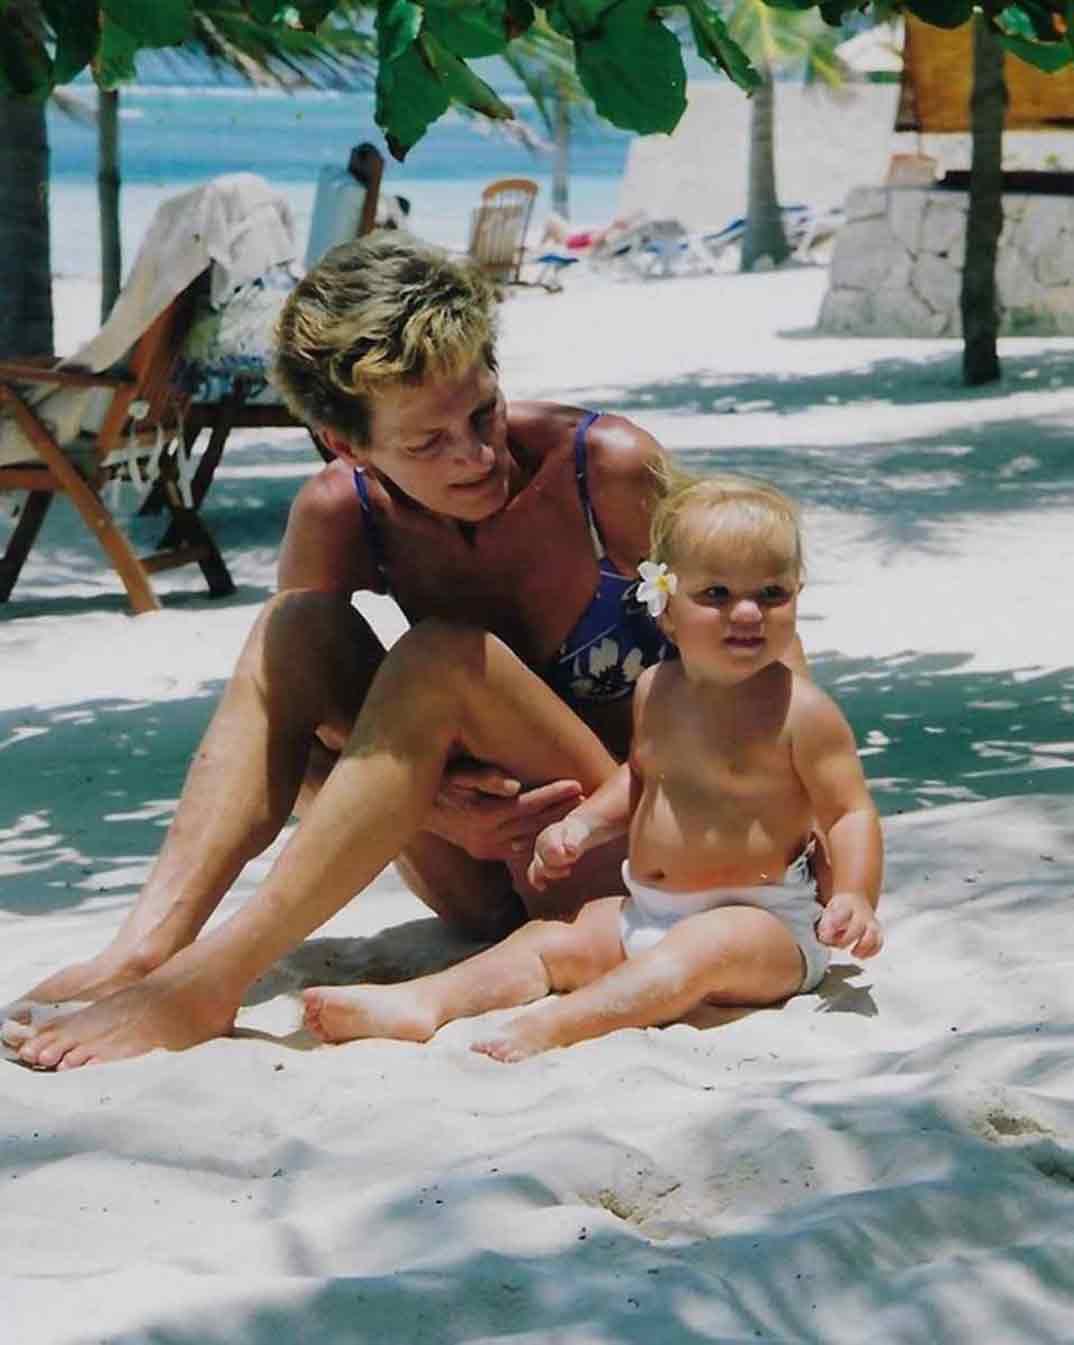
(624, 487)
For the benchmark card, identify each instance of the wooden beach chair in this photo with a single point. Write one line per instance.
(498, 228)
(127, 407)
(129, 427)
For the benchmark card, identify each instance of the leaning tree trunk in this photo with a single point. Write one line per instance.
(108, 196)
(25, 261)
(765, 236)
(561, 167)
(988, 104)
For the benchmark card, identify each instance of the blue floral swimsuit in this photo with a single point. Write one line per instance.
(614, 639)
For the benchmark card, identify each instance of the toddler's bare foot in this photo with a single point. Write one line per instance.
(347, 1013)
(529, 1034)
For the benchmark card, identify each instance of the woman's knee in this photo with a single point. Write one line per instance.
(429, 679)
(301, 623)
(313, 650)
(438, 654)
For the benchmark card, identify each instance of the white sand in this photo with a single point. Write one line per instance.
(891, 1159)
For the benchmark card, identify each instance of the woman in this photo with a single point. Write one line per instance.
(511, 538)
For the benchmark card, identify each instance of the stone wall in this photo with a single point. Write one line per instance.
(896, 267)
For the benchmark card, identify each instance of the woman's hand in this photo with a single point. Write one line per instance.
(489, 815)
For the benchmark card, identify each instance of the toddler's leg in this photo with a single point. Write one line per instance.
(733, 955)
(542, 956)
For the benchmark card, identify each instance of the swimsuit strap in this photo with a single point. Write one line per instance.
(583, 483)
(374, 536)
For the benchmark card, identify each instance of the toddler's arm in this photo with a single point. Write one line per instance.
(601, 817)
(826, 758)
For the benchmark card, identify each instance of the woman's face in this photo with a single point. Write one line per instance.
(444, 443)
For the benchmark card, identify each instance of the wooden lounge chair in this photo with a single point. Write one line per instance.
(121, 409)
(139, 432)
(498, 228)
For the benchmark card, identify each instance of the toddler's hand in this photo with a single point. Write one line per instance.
(556, 851)
(850, 922)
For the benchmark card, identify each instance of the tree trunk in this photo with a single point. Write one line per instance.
(108, 196)
(25, 260)
(765, 236)
(561, 168)
(980, 314)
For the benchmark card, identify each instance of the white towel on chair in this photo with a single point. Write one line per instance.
(236, 224)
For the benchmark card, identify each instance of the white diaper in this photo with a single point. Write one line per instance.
(649, 912)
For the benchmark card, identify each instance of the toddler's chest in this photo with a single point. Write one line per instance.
(704, 766)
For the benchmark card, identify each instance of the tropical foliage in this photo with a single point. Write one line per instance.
(627, 53)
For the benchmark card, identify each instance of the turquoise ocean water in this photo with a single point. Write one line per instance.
(174, 137)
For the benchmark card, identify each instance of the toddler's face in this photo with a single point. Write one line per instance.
(732, 616)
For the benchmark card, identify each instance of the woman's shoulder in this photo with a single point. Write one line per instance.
(620, 448)
(324, 546)
(615, 446)
(328, 498)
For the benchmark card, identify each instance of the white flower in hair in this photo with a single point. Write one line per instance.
(657, 585)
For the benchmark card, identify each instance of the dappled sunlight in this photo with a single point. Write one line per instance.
(246, 510)
(889, 1156)
(911, 495)
(780, 1209)
(857, 377)
(931, 731)
(98, 783)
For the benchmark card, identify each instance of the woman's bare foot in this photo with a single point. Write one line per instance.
(117, 967)
(23, 1018)
(347, 1013)
(528, 1034)
(163, 1010)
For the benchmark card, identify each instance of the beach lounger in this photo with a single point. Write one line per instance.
(119, 411)
(498, 228)
(805, 227)
(651, 248)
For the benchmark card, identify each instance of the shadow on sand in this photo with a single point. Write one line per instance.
(931, 732)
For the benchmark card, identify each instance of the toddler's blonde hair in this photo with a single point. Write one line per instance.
(752, 518)
(384, 310)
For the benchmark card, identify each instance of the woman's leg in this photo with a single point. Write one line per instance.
(443, 691)
(733, 955)
(307, 664)
(541, 957)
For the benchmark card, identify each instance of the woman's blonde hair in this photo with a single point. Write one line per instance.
(750, 516)
(384, 310)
